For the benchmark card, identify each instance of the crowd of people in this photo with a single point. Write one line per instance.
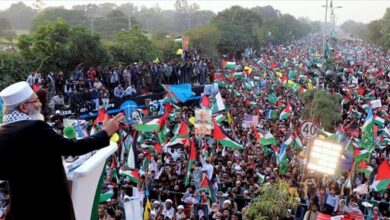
(235, 176)
(94, 87)
(219, 182)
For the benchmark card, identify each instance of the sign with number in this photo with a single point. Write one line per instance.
(309, 130)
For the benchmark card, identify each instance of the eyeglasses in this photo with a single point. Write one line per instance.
(35, 101)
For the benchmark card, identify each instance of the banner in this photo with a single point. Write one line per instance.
(203, 123)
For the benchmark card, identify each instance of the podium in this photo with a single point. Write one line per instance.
(84, 181)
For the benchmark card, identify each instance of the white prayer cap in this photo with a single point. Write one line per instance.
(168, 200)
(227, 201)
(16, 93)
(180, 207)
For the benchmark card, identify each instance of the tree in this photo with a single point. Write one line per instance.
(115, 21)
(374, 31)
(20, 16)
(58, 46)
(274, 201)
(132, 46)
(12, 68)
(267, 12)
(204, 39)
(86, 47)
(323, 107)
(237, 29)
(166, 47)
(73, 17)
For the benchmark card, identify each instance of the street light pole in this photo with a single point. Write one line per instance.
(324, 35)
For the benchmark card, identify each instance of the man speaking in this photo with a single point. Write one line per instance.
(30, 156)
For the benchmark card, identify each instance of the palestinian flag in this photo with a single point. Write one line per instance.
(382, 179)
(367, 140)
(250, 104)
(379, 121)
(208, 187)
(366, 169)
(361, 155)
(266, 138)
(133, 175)
(382, 142)
(176, 141)
(285, 113)
(182, 130)
(295, 141)
(151, 126)
(224, 140)
(271, 114)
(256, 78)
(219, 118)
(192, 160)
(229, 65)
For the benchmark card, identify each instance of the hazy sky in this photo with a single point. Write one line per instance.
(358, 10)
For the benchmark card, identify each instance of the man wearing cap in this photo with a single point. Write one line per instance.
(168, 211)
(25, 138)
(180, 215)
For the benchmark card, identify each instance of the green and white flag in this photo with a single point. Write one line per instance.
(218, 104)
(367, 141)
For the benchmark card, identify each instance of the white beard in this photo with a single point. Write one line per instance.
(35, 114)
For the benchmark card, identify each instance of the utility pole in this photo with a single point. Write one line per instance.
(324, 35)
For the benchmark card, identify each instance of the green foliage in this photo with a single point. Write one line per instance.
(236, 27)
(19, 15)
(86, 47)
(378, 31)
(323, 107)
(49, 15)
(132, 46)
(167, 48)
(58, 46)
(12, 68)
(274, 201)
(204, 39)
(115, 21)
